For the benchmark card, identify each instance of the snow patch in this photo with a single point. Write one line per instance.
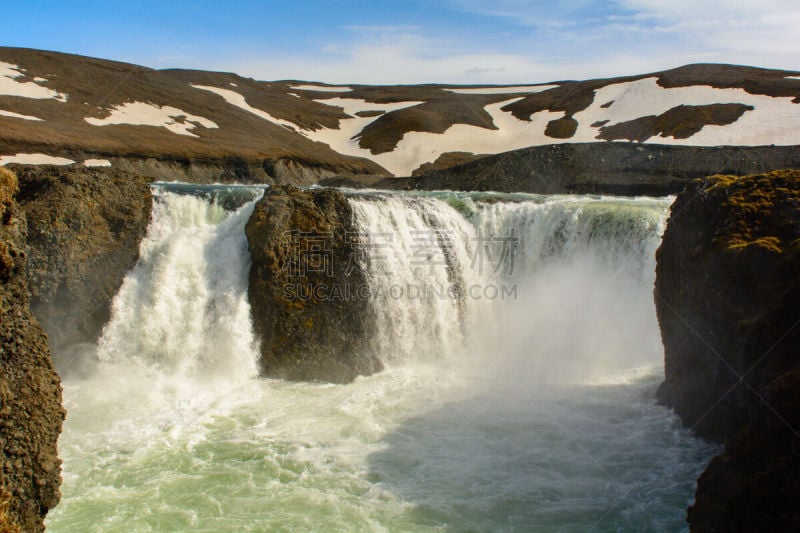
(97, 163)
(236, 99)
(9, 86)
(774, 120)
(295, 95)
(144, 114)
(232, 84)
(793, 77)
(416, 148)
(503, 90)
(34, 159)
(18, 115)
(321, 88)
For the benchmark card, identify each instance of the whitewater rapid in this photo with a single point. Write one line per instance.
(529, 412)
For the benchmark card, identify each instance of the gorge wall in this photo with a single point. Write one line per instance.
(727, 287)
(726, 291)
(30, 390)
(228, 170)
(84, 229)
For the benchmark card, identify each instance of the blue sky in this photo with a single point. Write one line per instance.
(415, 41)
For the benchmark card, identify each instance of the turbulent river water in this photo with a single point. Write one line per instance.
(525, 405)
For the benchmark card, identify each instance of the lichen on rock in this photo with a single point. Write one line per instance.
(727, 291)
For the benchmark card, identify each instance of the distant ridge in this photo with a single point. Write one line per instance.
(77, 108)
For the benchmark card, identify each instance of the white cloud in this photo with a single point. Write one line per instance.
(757, 32)
(539, 42)
(397, 54)
(407, 57)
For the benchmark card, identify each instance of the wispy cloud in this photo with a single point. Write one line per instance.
(534, 13)
(529, 41)
(415, 60)
(757, 32)
(764, 30)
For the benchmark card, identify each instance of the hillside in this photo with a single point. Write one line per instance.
(76, 109)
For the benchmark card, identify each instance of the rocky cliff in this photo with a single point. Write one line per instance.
(727, 287)
(303, 287)
(84, 229)
(226, 170)
(30, 390)
(618, 168)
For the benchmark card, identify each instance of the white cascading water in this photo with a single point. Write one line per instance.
(529, 411)
(183, 309)
(585, 273)
(415, 245)
(572, 271)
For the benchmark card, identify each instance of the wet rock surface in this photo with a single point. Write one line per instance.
(303, 287)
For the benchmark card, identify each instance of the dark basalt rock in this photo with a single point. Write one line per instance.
(754, 484)
(84, 230)
(445, 160)
(619, 168)
(727, 287)
(303, 287)
(726, 293)
(30, 390)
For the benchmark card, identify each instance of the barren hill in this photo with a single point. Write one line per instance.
(63, 108)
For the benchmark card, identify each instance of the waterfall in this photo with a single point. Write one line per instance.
(413, 245)
(507, 328)
(557, 285)
(570, 276)
(183, 309)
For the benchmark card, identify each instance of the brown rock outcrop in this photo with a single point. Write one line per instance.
(30, 390)
(727, 287)
(84, 230)
(727, 292)
(304, 286)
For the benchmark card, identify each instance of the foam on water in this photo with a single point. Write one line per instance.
(533, 414)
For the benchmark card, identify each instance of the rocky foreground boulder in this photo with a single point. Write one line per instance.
(727, 292)
(84, 230)
(30, 390)
(304, 287)
(754, 485)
